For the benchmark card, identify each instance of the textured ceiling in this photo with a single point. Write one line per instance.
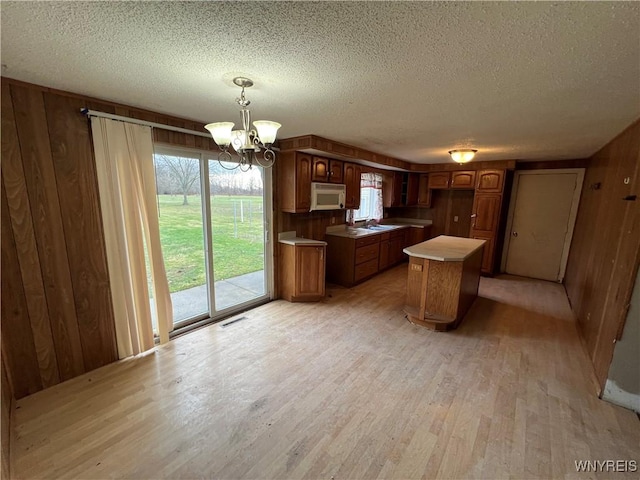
(516, 80)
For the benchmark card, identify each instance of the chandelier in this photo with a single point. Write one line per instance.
(247, 143)
(462, 155)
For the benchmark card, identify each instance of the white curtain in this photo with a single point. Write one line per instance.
(371, 183)
(126, 180)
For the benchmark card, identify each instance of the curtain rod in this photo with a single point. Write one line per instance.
(95, 113)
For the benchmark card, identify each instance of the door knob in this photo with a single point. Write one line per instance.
(515, 234)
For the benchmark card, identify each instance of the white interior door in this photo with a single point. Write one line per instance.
(542, 215)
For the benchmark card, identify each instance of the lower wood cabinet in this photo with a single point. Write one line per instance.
(302, 271)
(353, 260)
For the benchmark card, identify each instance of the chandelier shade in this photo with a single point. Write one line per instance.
(462, 155)
(246, 142)
(221, 132)
(267, 130)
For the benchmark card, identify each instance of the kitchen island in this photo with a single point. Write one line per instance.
(443, 279)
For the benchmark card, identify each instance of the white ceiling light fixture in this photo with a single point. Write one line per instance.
(462, 155)
(246, 142)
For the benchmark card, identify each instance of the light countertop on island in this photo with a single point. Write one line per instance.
(445, 248)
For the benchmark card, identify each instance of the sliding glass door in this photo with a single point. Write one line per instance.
(238, 233)
(214, 234)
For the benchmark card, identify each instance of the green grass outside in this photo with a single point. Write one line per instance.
(238, 247)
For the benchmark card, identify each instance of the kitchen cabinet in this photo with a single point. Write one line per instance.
(442, 281)
(489, 251)
(326, 170)
(400, 189)
(352, 260)
(294, 181)
(486, 212)
(396, 244)
(484, 225)
(490, 181)
(424, 192)
(352, 173)
(392, 189)
(463, 179)
(302, 271)
(410, 189)
(416, 235)
(439, 180)
(391, 245)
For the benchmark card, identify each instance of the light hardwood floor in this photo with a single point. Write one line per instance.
(345, 388)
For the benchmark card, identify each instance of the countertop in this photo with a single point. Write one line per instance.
(289, 238)
(445, 248)
(387, 225)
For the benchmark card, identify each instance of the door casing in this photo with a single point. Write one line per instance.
(570, 223)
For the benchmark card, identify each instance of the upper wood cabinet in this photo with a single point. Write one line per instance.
(327, 170)
(294, 181)
(392, 189)
(457, 179)
(352, 173)
(412, 182)
(424, 192)
(320, 171)
(439, 180)
(463, 179)
(400, 189)
(490, 181)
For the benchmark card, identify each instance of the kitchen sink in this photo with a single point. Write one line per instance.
(381, 227)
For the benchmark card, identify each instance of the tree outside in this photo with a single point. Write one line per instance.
(177, 175)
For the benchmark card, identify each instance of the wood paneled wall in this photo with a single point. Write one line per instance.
(57, 318)
(6, 403)
(605, 250)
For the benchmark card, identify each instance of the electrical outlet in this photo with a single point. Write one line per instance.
(416, 266)
(455, 218)
(333, 220)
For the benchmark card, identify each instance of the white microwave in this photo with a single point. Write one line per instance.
(327, 196)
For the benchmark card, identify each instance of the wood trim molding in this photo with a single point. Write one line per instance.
(341, 151)
(452, 167)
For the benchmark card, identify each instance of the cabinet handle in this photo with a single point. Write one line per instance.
(321, 253)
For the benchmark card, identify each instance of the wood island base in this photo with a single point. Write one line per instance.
(440, 292)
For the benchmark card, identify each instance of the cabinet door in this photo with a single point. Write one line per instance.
(320, 172)
(395, 249)
(415, 236)
(412, 189)
(490, 181)
(335, 171)
(303, 182)
(424, 193)
(464, 179)
(392, 189)
(439, 180)
(384, 255)
(352, 182)
(486, 212)
(487, 254)
(310, 270)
